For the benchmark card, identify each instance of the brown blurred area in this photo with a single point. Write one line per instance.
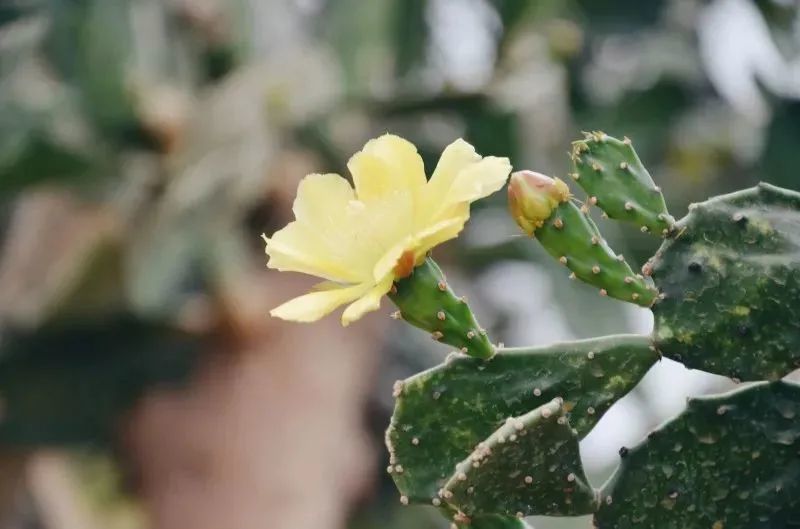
(145, 145)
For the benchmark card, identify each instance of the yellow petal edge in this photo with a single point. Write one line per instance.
(359, 239)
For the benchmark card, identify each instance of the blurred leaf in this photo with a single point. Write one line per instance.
(67, 384)
(409, 20)
(779, 160)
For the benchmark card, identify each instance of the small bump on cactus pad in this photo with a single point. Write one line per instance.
(729, 461)
(530, 465)
(570, 236)
(426, 301)
(610, 172)
(731, 283)
(442, 414)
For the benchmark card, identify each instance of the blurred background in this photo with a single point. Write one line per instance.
(146, 144)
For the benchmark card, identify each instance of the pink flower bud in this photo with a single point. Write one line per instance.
(532, 197)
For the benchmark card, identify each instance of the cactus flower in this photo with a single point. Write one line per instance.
(532, 197)
(361, 240)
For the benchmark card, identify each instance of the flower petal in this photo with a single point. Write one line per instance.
(439, 233)
(479, 180)
(384, 165)
(315, 305)
(322, 199)
(297, 248)
(456, 157)
(368, 302)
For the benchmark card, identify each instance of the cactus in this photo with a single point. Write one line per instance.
(492, 438)
(729, 461)
(731, 283)
(443, 413)
(611, 173)
(530, 465)
(426, 301)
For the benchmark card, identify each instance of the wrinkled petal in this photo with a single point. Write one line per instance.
(296, 248)
(315, 305)
(456, 157)
(384, 165)
(479, 180)
(368, 302)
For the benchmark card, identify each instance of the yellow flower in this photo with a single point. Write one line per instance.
(361, 240)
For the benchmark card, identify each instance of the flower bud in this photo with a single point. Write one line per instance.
(532, 197)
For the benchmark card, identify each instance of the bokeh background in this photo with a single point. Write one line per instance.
(146, 144)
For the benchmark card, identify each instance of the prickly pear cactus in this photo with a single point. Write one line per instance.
(491, 435)
(730, 283)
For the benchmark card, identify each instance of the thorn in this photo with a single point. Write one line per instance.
(404, 500)
(604, 215)
(593, 201)
(436, 502)
(585, 209)
(528, 480)
(470, 335)
(595, 269)
(596, 167)
(464, 350)
(462, 299)
(595, 240)
(537, 392)
(603, 292)
(570, 477)
(394, 289)
(562, 260)
(437, 335)
(415, 441)
(644, 229)
(441, 315)
(572, 276)
(575, 176)
(558, 223)
(626, 140)
(590, 355)
(396, 315)
(628, 206)
(628, 280)
(623, 166)
(657, 189)
(590, 410)
(442, 286)
(634, 296)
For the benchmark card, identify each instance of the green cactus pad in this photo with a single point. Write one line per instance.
(571, 236)
(530, 465)
(493, 521)
(426, 301)
(442, 414)
(728, 462)
(609, 170)
(730, 278)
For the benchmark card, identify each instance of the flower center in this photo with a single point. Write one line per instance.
(404, 265)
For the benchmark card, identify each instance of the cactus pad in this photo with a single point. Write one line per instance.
(728, 462)
(610, 172)
(530, 465)
(493, 521)
(426, 301)
(570, 236)
(730, 277)
(442, 414)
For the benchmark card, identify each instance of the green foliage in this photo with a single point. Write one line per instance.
(530, 465)
(68, 383)
(616, 180)
(729, 461)
(730, 279)
(426, 301)
(500, 436)
(443, 414)
(572, 237)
